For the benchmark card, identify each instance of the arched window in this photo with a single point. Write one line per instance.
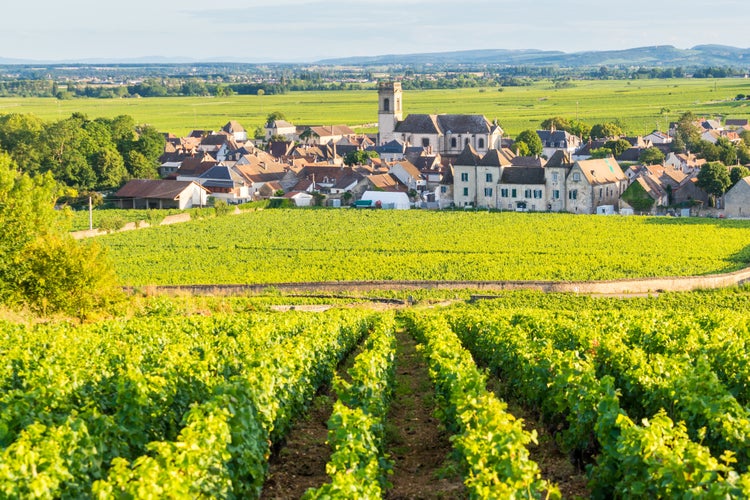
(481, 143)
(386, 104)
(466, 141)
(453, 142)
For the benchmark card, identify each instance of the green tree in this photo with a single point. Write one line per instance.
(19, 136)
(714, 179)
(637, 197)
(737, 174)
(358, 157)
(727, 151)
(651, 156)
(579, 128)
(604, 130)
(687, 130)
(556, 122)
(617, 146)
(139, 167)
(110, 169)
(276, 115)
(528, 143)
(42, 266)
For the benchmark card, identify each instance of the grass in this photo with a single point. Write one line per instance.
(639, 104)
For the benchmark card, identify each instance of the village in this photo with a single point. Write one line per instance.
(440, 161)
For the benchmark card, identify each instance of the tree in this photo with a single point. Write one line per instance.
(110, 169)
(687, 130)
(556, 122)
(727, 151)
(579, 128)
(737, 174)
(604, 130)
(358, 157)
(42, 266)
(651, 156)
(601, 153)
(617, 146)
(139, 167)
(276, 115)
(528, 143)
(714, 179)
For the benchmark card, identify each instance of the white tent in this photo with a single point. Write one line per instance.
(387, 199)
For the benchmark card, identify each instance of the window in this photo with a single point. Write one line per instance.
(481, 143)
(464, 176)
(577, 177)
(466, 191)
(488, 177)
(386, 104)
(513, 193)
(554, 177)
(527, 193)
(453, 142)
(425, 142)
(556, 194)
(488, 192)
(573, 194)
(600, 193)
(504, 192)
(538, 194)
(443, 189)
(466, 141)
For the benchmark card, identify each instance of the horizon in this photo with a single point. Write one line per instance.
(308, 31)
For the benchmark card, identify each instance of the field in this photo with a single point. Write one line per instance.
(641, 105)
(288, 245)
(575, 397)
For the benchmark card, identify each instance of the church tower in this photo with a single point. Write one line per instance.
(389, 110)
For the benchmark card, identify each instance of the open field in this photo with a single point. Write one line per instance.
(641, 105)
(274, 246)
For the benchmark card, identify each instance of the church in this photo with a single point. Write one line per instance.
(447, 135)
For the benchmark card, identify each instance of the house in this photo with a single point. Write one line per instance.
(225, 182)
(161, 193)
(390, 151)
(658, 137)
(444, 191)
(737, 199)
(737, 124)
(522, 189)
(440, 133)
(592, 183)
(281, 128)
(325, 134)
(558, 140)
(556, 171)
(476, 177)
(235, 130)
(408, 174)
(686, 162)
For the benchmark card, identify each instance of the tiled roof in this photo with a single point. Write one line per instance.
(419, 124)
(468, 157)
(153, 189)
(523, 175)
(495, 158)
(601, 171)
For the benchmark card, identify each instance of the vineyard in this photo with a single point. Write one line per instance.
(646, 397)
(281, 246)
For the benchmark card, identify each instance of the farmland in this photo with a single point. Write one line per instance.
(641, 105)
(648, 396)
(289, 245)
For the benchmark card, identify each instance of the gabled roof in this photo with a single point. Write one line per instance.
(528, 161)
(559, 159)
(233, 126)
(221, 176)
(495, 158)
(408, 168)
(601, 171)
(395, 146)
(279, 124)
(468, 157)
(154, 189)
(522, 175)
(386, 182)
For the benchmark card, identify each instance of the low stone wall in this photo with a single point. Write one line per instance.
(613, 287)
(169, 219)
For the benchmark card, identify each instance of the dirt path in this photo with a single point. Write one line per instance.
(418, 447)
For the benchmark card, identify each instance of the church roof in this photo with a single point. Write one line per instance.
(444, 124)
(419, 124)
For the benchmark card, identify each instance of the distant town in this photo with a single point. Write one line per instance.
(440, 161)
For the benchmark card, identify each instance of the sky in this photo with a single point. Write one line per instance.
(311, 30)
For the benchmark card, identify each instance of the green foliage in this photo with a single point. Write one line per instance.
(359, 157)
(378, 248)
(651, 156)
(605, 130)
(737, 174)
(528, 143)
(637, 197)
(221, 207)
(714, 178)
(617, 146)
(556, 122)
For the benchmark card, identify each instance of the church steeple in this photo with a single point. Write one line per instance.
(389, 110)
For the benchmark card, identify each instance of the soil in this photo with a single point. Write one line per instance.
(417, 444)
(555, 466)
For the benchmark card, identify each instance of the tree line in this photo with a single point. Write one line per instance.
(81, 153)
